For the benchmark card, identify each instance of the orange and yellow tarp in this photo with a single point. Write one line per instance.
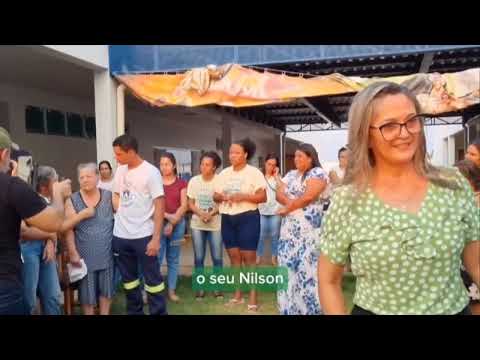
(236, 86)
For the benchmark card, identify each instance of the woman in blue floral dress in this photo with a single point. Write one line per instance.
(302, 216)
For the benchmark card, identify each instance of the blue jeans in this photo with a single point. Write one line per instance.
(214, 238)
(269, 228)
(40, 276)
(12, 299)
(171, 247)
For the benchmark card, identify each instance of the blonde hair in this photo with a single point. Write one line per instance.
(360, 168)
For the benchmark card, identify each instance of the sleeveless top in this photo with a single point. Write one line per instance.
(93, 237)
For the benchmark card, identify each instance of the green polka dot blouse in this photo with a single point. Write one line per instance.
(404, 263)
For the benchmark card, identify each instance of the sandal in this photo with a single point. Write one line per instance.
(233, 302)
(199, 295)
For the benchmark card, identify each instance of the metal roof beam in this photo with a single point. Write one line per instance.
(321, 106)
(427, 61)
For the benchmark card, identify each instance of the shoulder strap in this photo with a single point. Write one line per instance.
(270, 186)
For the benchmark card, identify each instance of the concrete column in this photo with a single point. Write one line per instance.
(105, 115)
(226, 140)
(451, 150)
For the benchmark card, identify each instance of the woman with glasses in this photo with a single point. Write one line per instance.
(405, 224)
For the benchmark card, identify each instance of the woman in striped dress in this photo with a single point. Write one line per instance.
(91, 240)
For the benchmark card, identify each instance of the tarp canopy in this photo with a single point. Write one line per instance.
(236, 86)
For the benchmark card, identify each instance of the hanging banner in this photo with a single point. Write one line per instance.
(236, 86)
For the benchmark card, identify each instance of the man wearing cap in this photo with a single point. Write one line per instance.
(18, 201)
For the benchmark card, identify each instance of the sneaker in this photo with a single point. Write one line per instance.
(199, 295)
(218, 294)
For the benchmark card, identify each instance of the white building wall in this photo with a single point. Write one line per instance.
(92, 56)
(171, 127)
(63, 153)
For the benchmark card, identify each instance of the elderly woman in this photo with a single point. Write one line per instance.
(91, 240)
(299, 193)
(406, 246)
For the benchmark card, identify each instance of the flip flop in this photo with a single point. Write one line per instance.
(233, 302)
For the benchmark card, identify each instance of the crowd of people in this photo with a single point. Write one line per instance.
(407, 230)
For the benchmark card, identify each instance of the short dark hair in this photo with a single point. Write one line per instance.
(170, 157)
(271, 156)
(126, 142)
(217, 162)
(104, 162)
(471, 172)
(248, 146)
(342, 149)
(310, 151)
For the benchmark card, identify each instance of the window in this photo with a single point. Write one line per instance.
(34, 121)
(39, 120)
(55, 122)
(90, 129)
(74, 125)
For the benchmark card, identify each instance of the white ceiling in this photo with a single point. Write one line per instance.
(31, 68)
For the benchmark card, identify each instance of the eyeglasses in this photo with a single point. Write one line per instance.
(392, 130)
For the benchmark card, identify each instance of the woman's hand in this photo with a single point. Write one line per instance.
(206, 217)
(49, 251)
(238, 197)
(283, 211)
(87, 213)
(168, 230)
(74, 258)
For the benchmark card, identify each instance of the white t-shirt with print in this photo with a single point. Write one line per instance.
(246, 181)
(137, 189)
(202, 192)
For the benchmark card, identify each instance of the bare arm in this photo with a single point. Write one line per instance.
(73, 218)
(193, 208)
(32, 233)
(69, 236)
(471, 260)
(175, 218)
(153, 247)
(260, 196)
(158, 216)
(51, 218)
(330, 287)
(115, 201)
(280, 195)
(314, 187)
(215, 210)
(219, 197)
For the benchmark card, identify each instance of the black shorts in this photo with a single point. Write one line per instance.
(241, 231)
